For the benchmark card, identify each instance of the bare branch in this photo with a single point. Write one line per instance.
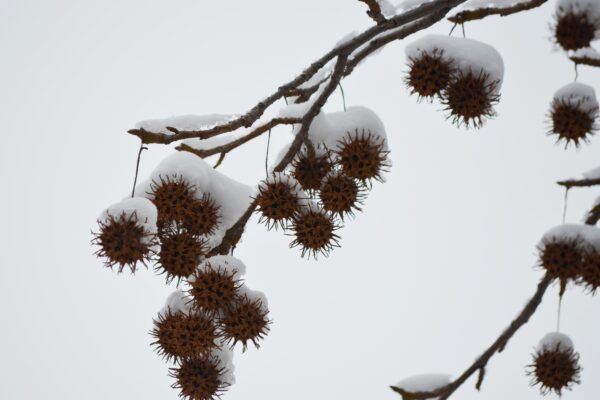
(579, 183)
(480, 13)
(374, 10)
(589, 61)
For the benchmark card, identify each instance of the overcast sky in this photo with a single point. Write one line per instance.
(439, 262)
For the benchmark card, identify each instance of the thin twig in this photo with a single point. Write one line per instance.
(137, 167)
(571, 183)
(374, 11)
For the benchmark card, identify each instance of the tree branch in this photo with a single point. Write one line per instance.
(374, 10)
(589, 61)
(480, 13)
(579, 183)
(479, 365)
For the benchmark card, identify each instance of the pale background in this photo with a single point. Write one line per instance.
(440, 261)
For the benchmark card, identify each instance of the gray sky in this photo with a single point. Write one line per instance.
(437, 265)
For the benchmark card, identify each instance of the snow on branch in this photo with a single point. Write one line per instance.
(374, 10)
(479, 9)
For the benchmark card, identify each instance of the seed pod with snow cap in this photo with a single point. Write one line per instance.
(574, 113)
(127, 234)
(577, 23)
(172, 196)
(247, 321)
(279, 198)
(310, 167)
(314, 231)
(429, 72)
(363, 156)
(179, 254)
(555, 364)
(341, 195)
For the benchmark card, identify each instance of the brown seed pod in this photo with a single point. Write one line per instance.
(571, 122)
(245, 322)
(181, 336)
(172, 197)
(470, 98)
(309, 169)
(429, 74)
(555, 369)
(341, 195)
(213, 289)
(179, 254)
(573, 30)
(199, 379)
(278, 200)
(202, 216)
(124, 242)
(363, 156)
(562, 259)
(589, 273)
(314, 232)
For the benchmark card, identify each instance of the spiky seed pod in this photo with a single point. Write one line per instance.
(340, 194)
(124, 242)
(199, 379)
(179, 254)
(573, 30)
(314, 232)
(555, 369)
(571, 122)
(245, 322)
(363, 156)
(202, 216)
(181, 336)
(589, 274)
(278, 200)
(309, 169)
(562, 259)
(428, 74)
(213, 289)
(172, 197)
(470, 98)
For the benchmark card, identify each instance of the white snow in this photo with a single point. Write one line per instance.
(212, 142)
(553, 339)
(478, 4)
(589, 7)
(588, 235)
(466, 54)
(586, 52)
(424, 383)
(408, 5)
(231, 196)
(579, 94)
(184, 123)
(177, 301)
(229, 264)
(592, 174)
(225, 356)
(143, 210)
(254, 295)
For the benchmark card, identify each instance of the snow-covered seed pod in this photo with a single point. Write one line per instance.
(181, 336)
(573, 113)
(429, 73)
(200, 379)
(172, 196)
(309, 169)
(314, 231)
(363, 156)
(341, 195)
(127, 234)
(589, 274)
(555, 364)
(246, 321)
(470, 98)
(202, 217)
(576, 23)
(279, 198)
(213, 289)
(179, 254)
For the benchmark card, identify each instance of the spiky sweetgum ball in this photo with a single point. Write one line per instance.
(246, 321)
(314, 232)
(555, 370)
(278, 200)
(309, 169)
(180, 336)
(562, 259)
(363, 156)
(470, 98)
(202, 216)
(179, 254)
(199, 379)
(570, 122)
(124, 242)
(429, 73)
(573, 30)
(340, 194)
(172, 196)
(213, 289)
(589, 273)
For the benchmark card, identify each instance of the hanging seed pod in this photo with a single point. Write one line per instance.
(309, 169)
(180, 336)
(173, 197)
(314, 231)
(200, 379)
(429, 73)
(278, 200)
(573, 113)
(247, 321)
(562, 259)
(363, 156)
(555, 365)
(202, 216)
(213, 289)
(470, 98)
(589, 274)
(179, 254)
(575, 26)
(341, 195)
